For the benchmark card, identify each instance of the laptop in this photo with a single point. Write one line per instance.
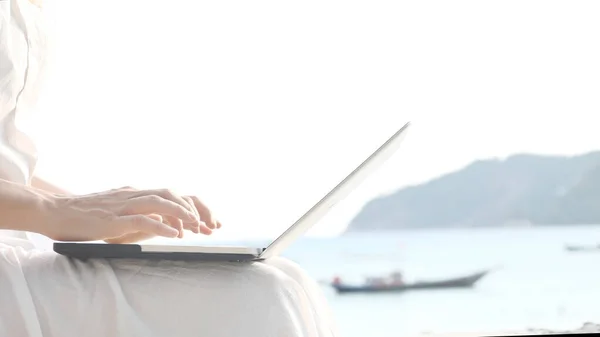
(86, 250)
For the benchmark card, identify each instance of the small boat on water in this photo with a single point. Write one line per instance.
(581, 248)
(379, 287)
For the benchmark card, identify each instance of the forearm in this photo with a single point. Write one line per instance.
(43, 185)
(22, 208)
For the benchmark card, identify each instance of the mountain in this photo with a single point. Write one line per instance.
(542, 190)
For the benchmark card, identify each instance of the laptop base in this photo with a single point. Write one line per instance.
(84, 251)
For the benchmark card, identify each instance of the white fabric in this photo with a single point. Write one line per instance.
(45, 294)
(21, 62)
(20, 66)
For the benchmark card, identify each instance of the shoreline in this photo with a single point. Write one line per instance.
(587, 327)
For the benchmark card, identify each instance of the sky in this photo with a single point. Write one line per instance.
(260, 108)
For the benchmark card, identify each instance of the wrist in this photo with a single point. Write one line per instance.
(37, 217)
(23, 208)
(43, 214)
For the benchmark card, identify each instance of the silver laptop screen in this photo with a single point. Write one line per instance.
(338, 193)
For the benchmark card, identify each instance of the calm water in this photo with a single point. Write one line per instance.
(537, 283)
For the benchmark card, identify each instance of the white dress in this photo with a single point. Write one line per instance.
(43, 294)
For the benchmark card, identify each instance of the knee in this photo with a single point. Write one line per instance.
(275, 271)
(291, 269)
(281, 301)
(283, 263)
(278, 276)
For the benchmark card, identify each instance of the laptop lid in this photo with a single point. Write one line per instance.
(338, 193)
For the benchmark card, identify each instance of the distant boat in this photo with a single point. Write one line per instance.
(582, 248)
(460, 282)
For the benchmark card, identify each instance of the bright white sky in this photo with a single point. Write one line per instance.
(260, 107)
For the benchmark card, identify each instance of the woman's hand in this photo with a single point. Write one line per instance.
(126, 215)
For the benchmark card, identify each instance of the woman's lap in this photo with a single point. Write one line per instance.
(65, 297)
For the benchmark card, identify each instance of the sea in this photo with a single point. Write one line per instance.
(534, 283)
